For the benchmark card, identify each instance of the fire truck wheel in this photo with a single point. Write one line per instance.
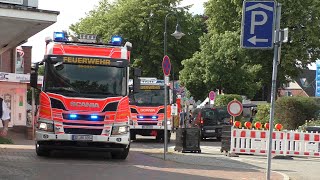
(132, 136)
(121, 155)
(41, 151)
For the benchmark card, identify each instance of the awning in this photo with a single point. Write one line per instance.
(20, 23)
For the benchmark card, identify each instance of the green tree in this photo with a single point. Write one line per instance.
(224, 100)
(142, 23)
(220, 47)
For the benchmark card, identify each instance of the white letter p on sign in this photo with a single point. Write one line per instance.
(257, 23)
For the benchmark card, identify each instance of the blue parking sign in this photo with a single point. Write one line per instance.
(257, 29)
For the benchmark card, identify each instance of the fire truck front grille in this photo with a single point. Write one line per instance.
(82, 124)
(147, 123)
(82, 131)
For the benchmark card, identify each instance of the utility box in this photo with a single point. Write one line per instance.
(226, 138)
(188, 140)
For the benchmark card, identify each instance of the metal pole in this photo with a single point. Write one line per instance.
(276, 57)
(165, 120)
(165, 90)
(173, 98)
(33, 111)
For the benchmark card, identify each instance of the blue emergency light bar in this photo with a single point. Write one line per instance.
(140, 117)
(116, 40)
(59, 36)
(154, 117)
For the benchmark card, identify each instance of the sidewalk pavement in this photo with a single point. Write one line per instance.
(220, 166)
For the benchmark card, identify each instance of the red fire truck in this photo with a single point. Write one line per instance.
(84, 102)
(147, 110)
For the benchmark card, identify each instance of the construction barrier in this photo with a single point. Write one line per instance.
(284, 143)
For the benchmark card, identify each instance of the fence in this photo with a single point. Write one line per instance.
(285, 143)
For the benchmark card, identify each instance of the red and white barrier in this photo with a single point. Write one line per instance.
(251, 141)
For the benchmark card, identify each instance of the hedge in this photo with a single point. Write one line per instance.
(263, 113)
(292, 112)
(223, 100)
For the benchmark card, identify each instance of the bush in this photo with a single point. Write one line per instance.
(5, 141)
(263, 114)
(292, 112)
(223, 100)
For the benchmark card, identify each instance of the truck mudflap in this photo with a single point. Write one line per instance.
(83, 142)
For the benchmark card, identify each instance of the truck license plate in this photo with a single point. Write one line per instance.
(147, 127)
(82, 137)
(210, 131)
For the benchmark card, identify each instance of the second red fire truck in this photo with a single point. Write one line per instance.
(147, 110)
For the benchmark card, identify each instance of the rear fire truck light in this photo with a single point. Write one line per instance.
(140, 117)
(154, 117)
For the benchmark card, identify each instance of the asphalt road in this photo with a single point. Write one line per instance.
(17, 164)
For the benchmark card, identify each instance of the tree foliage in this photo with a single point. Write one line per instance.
(223, 100)
(226, 66)
(142, 23)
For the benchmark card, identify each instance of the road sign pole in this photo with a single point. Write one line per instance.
(165, 118)
(276, 58)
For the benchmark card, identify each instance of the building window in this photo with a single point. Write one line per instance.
(288, 93)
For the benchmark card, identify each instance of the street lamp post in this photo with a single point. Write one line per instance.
(178, 35)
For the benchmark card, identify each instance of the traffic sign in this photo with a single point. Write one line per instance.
(257, 27)
(166, 65)
(212, 95)
(235, 108)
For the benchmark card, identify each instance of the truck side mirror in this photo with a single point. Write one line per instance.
(136, 80)
(137, 72)
(34, 75)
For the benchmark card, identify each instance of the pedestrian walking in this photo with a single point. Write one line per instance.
(5, 117)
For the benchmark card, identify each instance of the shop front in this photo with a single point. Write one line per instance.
(13, 90)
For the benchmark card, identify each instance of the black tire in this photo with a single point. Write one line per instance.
(162, 137)
(42, 151)
(133, 136)
(122, 155)
(159, 138)
(169, 136)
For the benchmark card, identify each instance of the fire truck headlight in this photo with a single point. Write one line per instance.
(44, 126)
(118, 130)
(168, 122)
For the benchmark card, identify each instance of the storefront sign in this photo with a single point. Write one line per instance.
(20, 78)
(20, 2)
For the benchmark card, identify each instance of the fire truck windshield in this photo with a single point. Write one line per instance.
(85, 80)
(148, 98)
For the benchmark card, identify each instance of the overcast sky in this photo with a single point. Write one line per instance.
(70, 12)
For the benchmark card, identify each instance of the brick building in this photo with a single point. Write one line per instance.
(19, 20)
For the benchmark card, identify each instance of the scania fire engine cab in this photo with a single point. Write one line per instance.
(84, 103)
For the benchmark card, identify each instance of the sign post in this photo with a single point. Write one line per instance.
(166, 67)
(212, 96)
(260, 20)
(276, 60)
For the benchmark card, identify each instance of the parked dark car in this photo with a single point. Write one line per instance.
(210, 121)
(315, 129)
